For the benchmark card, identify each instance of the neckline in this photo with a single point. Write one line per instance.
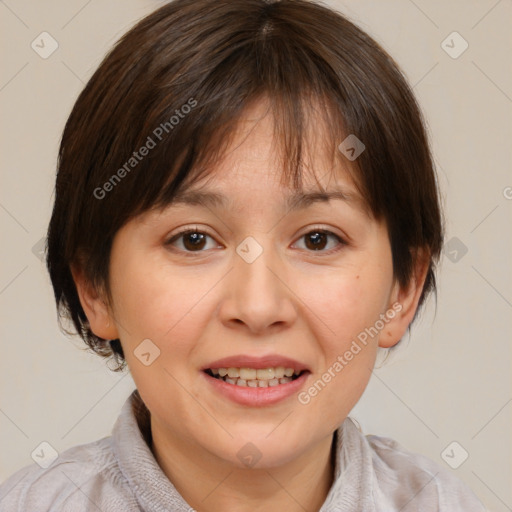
(133, 448)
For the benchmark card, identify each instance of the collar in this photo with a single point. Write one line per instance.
(154, 491)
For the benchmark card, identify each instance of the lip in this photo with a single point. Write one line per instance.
(256, 397)
(247, 361)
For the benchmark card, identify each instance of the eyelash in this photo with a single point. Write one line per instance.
(342, 243)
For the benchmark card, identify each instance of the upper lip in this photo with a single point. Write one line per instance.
(246, 361)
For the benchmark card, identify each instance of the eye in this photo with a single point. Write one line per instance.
(193, 240)
(190, 240)
(318, 240)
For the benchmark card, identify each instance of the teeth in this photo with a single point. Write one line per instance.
(233, 372)
(265, 373)
(248, 373)
(252, 374)
(260, 373)
(279, 372)
(254, 378)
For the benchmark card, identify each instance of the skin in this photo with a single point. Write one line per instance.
(292, 300)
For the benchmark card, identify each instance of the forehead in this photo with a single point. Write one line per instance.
(253, 162)
(292, 200)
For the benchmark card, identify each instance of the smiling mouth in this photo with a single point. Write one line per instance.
(255, 378)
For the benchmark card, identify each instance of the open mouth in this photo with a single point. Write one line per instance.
(255, 377)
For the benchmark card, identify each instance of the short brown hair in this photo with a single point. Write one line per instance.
(190, 69)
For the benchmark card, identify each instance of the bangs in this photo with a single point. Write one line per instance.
(300, 131)
(307, 118)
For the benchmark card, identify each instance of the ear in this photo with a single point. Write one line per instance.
(404, 301)
(101, 319)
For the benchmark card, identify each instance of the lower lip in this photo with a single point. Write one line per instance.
(257, 397)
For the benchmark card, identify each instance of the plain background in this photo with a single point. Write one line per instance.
(449, 382)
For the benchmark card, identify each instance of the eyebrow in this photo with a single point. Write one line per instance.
(296, 201)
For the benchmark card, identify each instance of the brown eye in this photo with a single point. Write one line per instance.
(193, 241)
(190, 241)
(318, 240)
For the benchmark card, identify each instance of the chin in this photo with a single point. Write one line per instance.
(256, 449)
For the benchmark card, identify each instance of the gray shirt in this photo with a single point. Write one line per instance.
(120, 474)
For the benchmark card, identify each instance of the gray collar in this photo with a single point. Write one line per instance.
(153, 490)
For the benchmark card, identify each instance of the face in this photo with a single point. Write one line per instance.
(290, 298)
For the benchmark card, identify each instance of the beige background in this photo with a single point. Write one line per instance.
(452, 381)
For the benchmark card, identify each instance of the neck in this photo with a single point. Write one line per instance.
(209, 483)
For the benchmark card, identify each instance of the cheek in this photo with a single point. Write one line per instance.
(346, 301)
(346, 307)
(161, 304)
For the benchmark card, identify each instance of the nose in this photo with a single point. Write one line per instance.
(258, 298)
